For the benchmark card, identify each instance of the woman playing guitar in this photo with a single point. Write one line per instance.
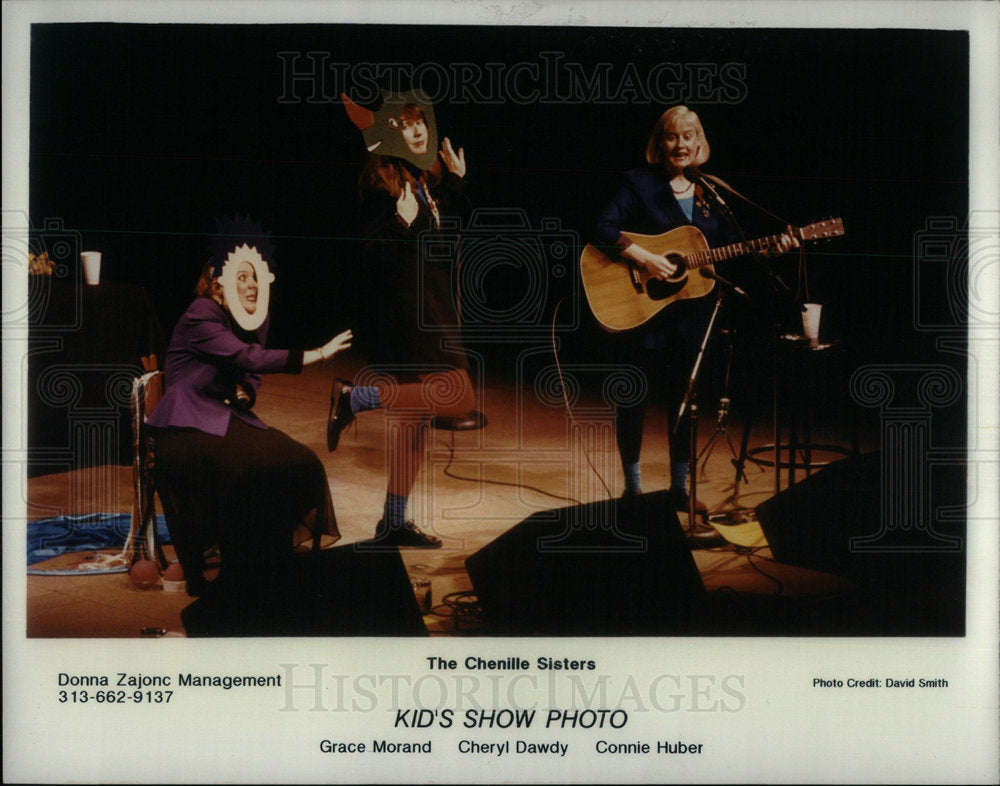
(652, 200)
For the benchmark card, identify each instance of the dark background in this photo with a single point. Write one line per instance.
(142, 134)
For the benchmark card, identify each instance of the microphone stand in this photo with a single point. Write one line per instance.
(722, 416)
(694, 174)
(782, 293)
(701, 538)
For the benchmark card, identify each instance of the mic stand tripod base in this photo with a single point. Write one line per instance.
(699, 536)
(704, 536)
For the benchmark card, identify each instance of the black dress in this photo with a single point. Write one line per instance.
(411, 281)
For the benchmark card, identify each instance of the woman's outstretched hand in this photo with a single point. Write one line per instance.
(336, 344)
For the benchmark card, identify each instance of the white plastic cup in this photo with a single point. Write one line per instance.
(810, 321)
(422, 590)
(91, 267)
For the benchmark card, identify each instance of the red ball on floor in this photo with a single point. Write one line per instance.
(144, 574)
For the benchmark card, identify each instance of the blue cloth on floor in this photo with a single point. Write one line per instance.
(51, 537)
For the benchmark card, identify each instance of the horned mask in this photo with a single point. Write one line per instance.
(382, 130)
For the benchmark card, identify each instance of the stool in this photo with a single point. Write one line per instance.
(809, 363)
(473, 420)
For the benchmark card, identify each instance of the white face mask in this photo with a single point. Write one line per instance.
(247, 291)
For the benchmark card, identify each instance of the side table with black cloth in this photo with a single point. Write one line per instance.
(809, 378)
(85, 346)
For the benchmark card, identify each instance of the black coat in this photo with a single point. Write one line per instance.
(413, 324)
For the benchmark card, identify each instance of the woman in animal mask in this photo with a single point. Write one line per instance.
(417, 363)
(223, 476)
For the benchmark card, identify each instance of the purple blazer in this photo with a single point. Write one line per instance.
(205, 361)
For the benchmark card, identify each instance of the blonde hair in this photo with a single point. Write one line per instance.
(670, 119)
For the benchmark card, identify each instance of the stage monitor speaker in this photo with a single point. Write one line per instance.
(342, 591)
(811, 523)
(605, 568)
(814, 522)
(910, 568)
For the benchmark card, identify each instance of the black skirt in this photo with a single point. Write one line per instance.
(256, 493)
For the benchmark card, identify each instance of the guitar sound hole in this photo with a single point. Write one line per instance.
(681, 273)
(659, 289)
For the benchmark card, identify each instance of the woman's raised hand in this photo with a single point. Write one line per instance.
(454, 162)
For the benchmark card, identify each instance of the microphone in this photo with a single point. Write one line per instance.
(694, 174)
(727, 284)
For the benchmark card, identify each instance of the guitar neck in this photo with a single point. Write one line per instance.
(713, 255)
(623, 297)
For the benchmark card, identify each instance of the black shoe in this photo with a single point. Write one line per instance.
(408, 536)
(630, 498)
(341, 414)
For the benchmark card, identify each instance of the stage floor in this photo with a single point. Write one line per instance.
(473, 487)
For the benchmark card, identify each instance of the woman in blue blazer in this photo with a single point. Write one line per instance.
(651, 200)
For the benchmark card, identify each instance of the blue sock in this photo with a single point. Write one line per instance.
(633, 478)
(365, 397)
(679, 474)
(394, 513)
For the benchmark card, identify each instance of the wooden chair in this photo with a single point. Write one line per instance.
(142, 541)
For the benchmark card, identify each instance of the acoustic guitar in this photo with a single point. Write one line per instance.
(623, 296)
